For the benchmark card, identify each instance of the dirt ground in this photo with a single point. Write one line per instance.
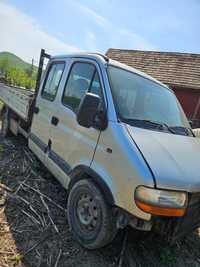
(34, 230)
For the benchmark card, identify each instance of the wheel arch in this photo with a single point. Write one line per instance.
(81, 172)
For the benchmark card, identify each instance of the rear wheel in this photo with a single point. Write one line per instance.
(89, 216)
(5, 130)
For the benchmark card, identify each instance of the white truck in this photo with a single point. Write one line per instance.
(117, 139)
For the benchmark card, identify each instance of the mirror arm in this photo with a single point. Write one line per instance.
(101, 121)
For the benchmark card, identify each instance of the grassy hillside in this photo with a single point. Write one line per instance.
(14, 61)
(15, 71)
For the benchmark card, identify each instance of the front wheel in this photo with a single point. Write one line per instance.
(89, 216)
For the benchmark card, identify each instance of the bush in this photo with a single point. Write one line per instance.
(17, 77)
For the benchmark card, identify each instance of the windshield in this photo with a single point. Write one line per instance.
(138, 98)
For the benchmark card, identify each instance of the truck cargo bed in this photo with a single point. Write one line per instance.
(17, 99)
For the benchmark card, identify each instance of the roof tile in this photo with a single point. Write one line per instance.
(175, 69)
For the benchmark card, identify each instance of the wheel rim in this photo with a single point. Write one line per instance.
(87, 212)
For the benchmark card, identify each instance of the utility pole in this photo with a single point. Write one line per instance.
(32, 66)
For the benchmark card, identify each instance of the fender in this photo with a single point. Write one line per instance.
(82, 172)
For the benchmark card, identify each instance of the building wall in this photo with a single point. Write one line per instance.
(189, 100)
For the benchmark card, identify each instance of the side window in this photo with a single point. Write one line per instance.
(96, 85)
(79, 81)
(52, 81)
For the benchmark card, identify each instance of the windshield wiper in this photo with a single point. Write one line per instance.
(157, 125)
(187, 130)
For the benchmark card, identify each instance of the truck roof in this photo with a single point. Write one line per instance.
(105, 60)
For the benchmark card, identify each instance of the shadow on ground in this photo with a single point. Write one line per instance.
(34, 230)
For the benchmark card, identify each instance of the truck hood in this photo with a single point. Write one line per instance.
(173, 159)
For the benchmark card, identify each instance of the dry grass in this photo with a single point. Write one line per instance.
(8, 251)
(34, 230)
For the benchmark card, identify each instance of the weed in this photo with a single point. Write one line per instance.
(167, 257)
(1, 148)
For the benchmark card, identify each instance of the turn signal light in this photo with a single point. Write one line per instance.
(161, 202)
(171, 212)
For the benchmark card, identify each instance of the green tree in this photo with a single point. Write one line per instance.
(16, 76)
(4, 66)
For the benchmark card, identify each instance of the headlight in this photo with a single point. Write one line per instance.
(161, 202)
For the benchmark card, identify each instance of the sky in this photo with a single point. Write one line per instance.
(64, 26)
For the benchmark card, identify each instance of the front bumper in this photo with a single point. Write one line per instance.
(170, 228)
(175, 228)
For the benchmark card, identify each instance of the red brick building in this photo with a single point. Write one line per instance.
(180, 71)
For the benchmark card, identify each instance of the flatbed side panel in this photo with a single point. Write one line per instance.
(19, 100)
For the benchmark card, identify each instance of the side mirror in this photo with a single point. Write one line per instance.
(88, 110)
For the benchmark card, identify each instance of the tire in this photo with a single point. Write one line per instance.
(5, 130)
(89, 216)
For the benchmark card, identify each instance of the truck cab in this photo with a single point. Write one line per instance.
(119, 141)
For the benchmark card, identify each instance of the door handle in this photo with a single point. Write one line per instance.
(54, 120)
(36, 110)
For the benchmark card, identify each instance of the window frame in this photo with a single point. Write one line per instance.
(46, 77)
(68, 75)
